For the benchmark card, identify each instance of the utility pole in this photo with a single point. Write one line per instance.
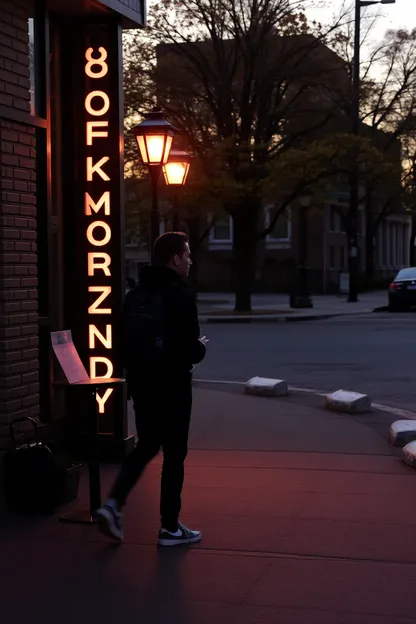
(355, 175)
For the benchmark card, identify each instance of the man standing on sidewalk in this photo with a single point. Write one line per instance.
(161, 344)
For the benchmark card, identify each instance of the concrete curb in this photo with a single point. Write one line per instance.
(275, 318)
(348, 402)
(263, 386)
(381, 407)
(409, 454)
(402, 432)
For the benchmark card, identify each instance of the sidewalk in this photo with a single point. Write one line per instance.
(307, 517)
(218, 307)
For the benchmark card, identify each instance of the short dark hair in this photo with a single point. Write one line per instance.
(167, 246)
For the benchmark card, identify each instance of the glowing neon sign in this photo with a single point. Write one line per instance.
(97, 228)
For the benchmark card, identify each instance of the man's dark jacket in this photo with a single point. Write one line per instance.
(181, 325)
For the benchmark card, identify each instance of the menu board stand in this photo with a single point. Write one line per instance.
(77, 376)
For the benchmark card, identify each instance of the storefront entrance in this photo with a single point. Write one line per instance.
(64, 170)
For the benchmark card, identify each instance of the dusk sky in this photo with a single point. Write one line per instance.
(399, 15)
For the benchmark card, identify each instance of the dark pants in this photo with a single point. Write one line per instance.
(163, 413)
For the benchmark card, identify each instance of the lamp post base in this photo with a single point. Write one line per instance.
(301, 301)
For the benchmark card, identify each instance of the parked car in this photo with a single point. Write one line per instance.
(402, 290)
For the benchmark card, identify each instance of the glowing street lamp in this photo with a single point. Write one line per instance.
(177, 168)
(176, 171)
(154, 138)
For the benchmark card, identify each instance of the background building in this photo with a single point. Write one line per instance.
(277, 253)
(322, 112)
(327, 250)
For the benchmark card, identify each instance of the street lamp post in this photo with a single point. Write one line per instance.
(302, 298)
(154, 138)
(354, 199)
(176, 171)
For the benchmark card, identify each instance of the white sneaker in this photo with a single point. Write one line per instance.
(182, 536)
(110, 522)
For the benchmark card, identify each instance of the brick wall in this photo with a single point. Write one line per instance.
(14, 55)
(18, 261)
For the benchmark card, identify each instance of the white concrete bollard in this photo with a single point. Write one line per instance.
(402, 432)
(348, 402)
(409, 452)
(262, 386)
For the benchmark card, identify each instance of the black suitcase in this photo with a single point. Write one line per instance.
(33, 479)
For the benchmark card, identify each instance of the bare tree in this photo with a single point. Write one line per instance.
(240, 78)
(388, 112)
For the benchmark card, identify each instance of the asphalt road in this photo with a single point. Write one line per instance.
(374, 354)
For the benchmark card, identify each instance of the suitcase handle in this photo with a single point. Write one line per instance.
(20, 420)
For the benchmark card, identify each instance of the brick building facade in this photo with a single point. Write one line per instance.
(35, 37)
(19, 362)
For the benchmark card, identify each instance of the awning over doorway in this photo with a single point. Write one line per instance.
(133, 12)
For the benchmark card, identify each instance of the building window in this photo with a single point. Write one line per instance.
(31, 32)
(334, 219)
(222, 230)
(399, 249)
(164, 225)
(392, 241)
(379, 245)
(332, 257)
(336, 224)
(281, 231)
(385, 242)
(131, 239)
(405, 244)
(343, 257)
(40, 47)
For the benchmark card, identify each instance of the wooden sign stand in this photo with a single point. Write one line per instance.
(77, 376)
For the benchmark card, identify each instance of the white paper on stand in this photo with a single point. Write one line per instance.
(68, 357)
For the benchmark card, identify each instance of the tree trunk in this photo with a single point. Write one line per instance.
(245, 237)
(194, 232)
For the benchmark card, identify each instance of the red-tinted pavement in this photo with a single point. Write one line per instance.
(306, 517)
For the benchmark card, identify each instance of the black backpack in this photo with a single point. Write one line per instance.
(37, 478)
(143, 330)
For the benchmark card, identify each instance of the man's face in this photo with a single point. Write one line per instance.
(183, 263)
